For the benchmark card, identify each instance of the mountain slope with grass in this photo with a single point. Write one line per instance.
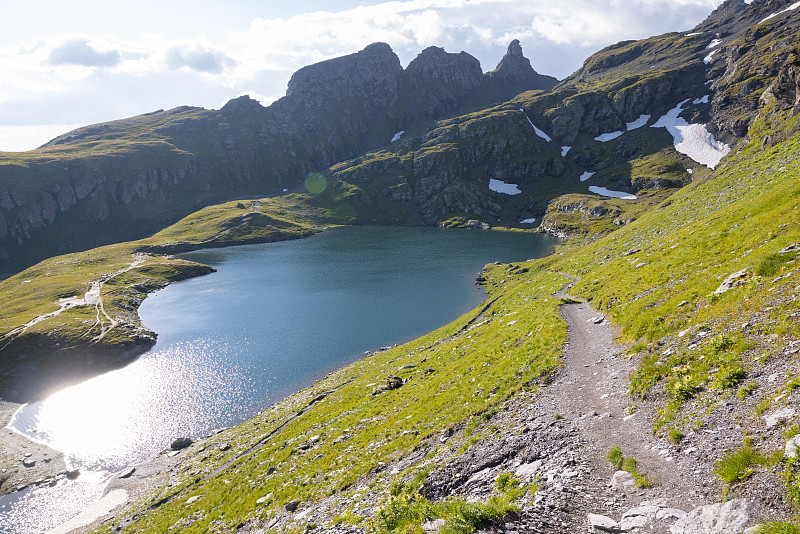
(524, 414)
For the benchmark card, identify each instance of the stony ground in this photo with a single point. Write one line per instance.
(23, 462)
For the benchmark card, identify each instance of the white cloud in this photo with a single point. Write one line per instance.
(104, 71)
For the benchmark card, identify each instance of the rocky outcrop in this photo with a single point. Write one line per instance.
(374, 74)
(514, 74)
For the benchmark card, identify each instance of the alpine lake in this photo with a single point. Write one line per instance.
(273, 318)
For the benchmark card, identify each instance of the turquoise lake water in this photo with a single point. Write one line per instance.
(271, 320)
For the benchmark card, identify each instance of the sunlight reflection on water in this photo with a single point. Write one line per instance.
(123, 418)
(136, 412)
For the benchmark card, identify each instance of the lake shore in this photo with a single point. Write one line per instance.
(14, 447)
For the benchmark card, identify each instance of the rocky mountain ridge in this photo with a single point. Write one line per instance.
(137, 175)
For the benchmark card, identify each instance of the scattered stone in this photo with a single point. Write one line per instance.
(180, 443)
(683, 303)
(127, 473)
(794, 247)
(720, 518)
(602, 522)
(266, 498)
(224, 446)
(779, 417)
(72, 474)
(291, 506)
(27, 462)
(190, 500)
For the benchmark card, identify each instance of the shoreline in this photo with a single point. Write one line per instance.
(14, 476)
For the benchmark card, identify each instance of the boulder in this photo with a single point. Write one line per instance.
(720, 518)
(622, 480)
(792, 448)
(393, 382)
(733, 280)
(180, 443)
(291, 506)
(28, 462)
(604, 523)
(127, 473)
(779, 417)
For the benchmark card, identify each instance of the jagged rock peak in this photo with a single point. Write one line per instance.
(434, 64)
(514, 67)
(359, 74)
(242, 104)
(514, 49)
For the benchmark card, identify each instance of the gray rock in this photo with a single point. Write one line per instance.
(72, 474)
(622, 480)
(393, 382)
(733, 280)
(721, 518)
(291, 506)
(433, 526)
(792, 448)
(127, 473)
(180, 443)
(604, 523)
(27, 462)
(779, 416)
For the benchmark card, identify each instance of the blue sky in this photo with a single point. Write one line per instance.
(68, 64)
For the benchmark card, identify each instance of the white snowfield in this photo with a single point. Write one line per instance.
(790, 8)
(586, 175)
(607, 136)
(694, 140)
(539, 132)
(564, 150)
(500, 186)
(710, 57)
(713, 44)
(638, 123)
(602, 191)
(701, 100)
(397, 136)
(528, 221)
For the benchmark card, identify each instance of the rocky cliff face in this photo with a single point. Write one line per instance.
(126, 179)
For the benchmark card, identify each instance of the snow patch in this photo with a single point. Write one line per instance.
(528, 221)
(713, 44)
(539, 132)
(586, 175)
(694, 140)
(638, 123)
(500, 186)
(701, 100)
(564, 150)
(693, 34)
(397, 136)
(790, 8)
(709, 57)
(602, 191)
(607, 136)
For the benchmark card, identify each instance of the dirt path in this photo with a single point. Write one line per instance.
(559, 438)
(591, 398)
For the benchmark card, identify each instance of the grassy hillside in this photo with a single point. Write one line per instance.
(698, 350)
